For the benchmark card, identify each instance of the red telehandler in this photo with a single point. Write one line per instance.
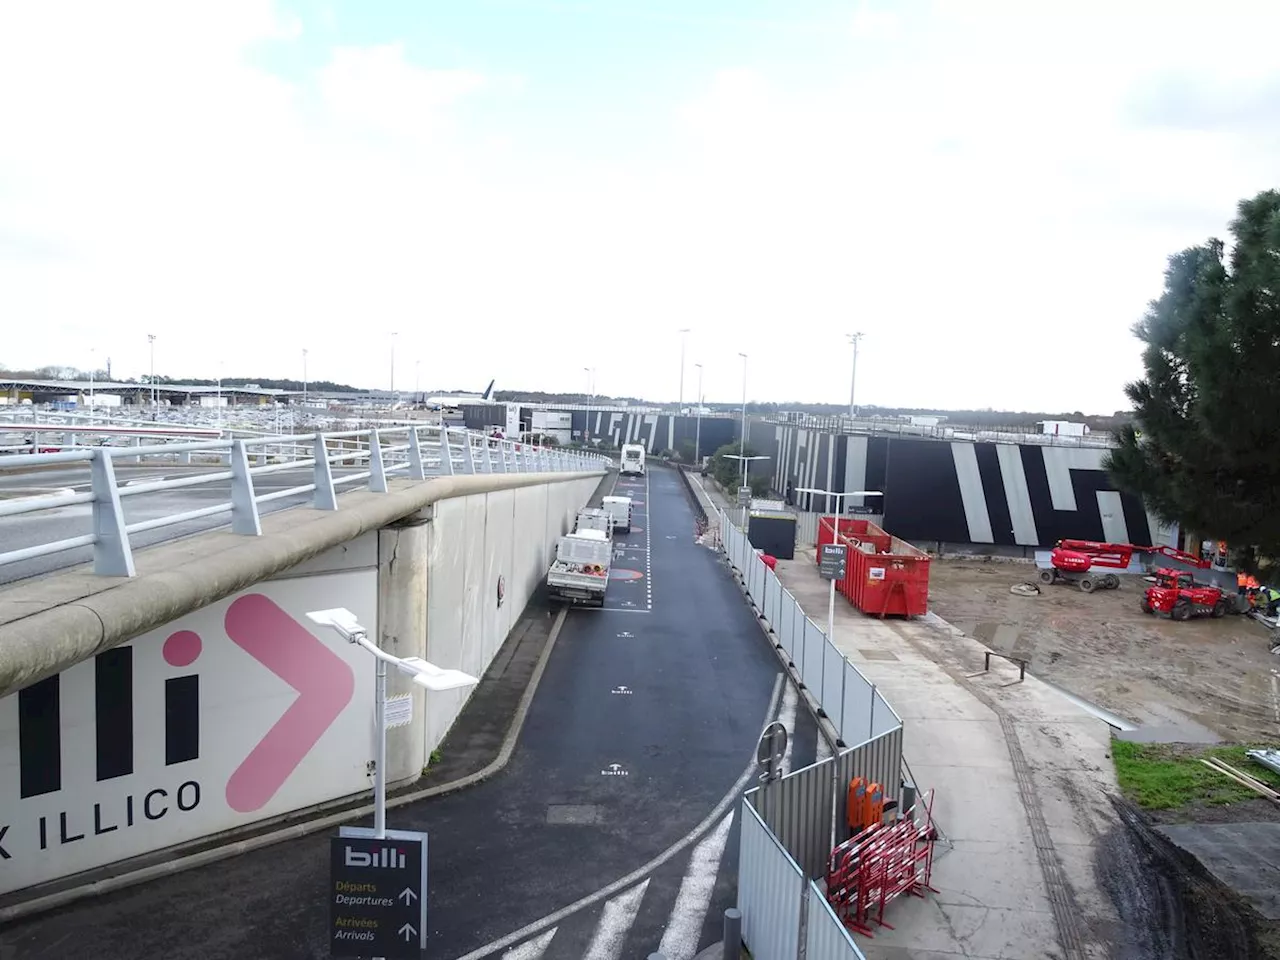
(1073, 561)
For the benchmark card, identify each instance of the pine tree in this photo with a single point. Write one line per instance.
(1204, 450)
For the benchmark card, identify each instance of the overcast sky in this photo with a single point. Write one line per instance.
(524, 188)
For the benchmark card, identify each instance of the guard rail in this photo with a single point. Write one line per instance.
(416, 452)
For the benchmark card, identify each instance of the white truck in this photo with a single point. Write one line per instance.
(632, 460)
(580, 573)
(594, 518)
(619, 511)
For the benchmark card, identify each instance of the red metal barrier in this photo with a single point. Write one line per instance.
(885, 576)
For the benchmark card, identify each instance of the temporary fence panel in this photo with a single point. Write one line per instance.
(883, 717)
(826, 937)
(876, 761)
(758, 573)
(787, 622)
(799, 624)
(797, 810)
(770, 891)
(855, 721)
(832, 698)
(806, 529)
(811, 667)
(773, 600)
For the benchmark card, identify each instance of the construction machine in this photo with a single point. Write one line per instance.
(1177, 595)
(1075, 561)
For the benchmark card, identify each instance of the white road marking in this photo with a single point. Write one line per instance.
(724, 806)
(615, 920)
(531, 949)
(787, 717)
(680, 939)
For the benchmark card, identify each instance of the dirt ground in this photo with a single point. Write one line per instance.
(1203, 677)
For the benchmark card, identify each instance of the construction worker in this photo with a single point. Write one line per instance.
(1242, 583)
(1271, 597)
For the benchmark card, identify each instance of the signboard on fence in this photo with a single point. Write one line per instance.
(832, 561)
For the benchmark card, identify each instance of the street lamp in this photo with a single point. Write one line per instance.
(697, 433)
(591, 398)
(424, 674)
(838, 494)
(93, 362)
(742, 446)
(853, 379)
(417, 379)
(219, 401)
(304, 376)
(393, 369)
(745, 460)
(684, 340)
(151, 340)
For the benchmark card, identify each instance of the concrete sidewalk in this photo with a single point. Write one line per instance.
(1021, 776)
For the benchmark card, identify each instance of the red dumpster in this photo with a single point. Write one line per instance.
(886, 576)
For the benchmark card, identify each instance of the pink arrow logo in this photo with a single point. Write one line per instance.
(324, 681)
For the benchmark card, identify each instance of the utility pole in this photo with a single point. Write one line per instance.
(697, 434)
(853, 378)
(684, 339)
(742, 445)
(151, 340)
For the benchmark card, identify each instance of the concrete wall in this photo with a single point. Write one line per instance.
(243, 710)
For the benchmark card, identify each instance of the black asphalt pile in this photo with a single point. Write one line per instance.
(1171, 907)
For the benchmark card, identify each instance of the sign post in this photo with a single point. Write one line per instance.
(377, 894)
(771, 751)
(833, 562)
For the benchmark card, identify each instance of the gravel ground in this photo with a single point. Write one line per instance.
(1200, 676)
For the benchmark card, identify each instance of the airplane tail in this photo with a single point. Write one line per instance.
(488, 390)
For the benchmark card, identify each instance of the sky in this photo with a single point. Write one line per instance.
(521, 190)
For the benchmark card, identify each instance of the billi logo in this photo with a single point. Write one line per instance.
(325, 684)
(387, 858)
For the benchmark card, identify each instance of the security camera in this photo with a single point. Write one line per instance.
(340, 619)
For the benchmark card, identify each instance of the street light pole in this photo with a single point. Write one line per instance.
(304, 376)
(853, 378)
(684, 340)
(742, 445)
(93, 362)
(591, 397)
(697, 434)
(151, 341)
(393, 369)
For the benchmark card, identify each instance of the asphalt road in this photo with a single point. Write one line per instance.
(645, 719)
(61, 523)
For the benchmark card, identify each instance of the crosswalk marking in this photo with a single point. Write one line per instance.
(615, 920)
(532, 949)
(787, 717)
(680, 939)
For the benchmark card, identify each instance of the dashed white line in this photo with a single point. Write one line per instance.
(680, 939)
(615, 920)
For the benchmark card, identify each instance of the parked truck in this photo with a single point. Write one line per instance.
(632, 460)
(594, 518)
(619, 510)
(580, 573)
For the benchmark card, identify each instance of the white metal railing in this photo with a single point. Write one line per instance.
(418, 452)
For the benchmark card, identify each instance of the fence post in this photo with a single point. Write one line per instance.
(417, 469)
(469, 454)
(112, 555)
(377, 469)
(244, 503)
(501, 448)
(733, 934)
(326, 498)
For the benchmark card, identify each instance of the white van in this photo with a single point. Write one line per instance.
(619, 508)
(632, 459)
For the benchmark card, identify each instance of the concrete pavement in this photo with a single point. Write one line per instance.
(611, 827)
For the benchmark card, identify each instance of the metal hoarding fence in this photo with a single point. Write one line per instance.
(770, 891)
(833, 680)
(797, 809)
(811, 669)
(859, 697)
(825, 936)
(787, 623)
(877, 761)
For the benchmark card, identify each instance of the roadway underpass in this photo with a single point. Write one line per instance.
(644, 721)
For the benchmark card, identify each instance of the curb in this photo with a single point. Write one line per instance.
(224, 852)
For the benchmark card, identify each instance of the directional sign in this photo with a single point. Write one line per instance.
(770, 752)
(377, 894)
(744, 496)
(832, 561)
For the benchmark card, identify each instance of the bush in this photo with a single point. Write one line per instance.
(728, 472)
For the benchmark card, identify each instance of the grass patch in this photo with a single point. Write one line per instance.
(1160, 776)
